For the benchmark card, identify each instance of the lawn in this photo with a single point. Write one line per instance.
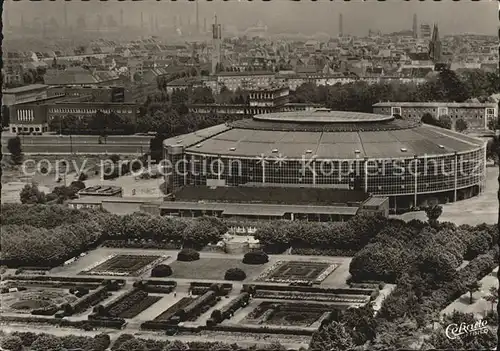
(213, 268)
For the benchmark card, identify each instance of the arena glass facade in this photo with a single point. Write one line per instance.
(411, 163)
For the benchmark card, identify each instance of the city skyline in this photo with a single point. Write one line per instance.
(358, 17)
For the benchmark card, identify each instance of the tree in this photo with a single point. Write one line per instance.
(427, 118)
(202, 95)
(332, 337)
(30, 194)
(176, 345)
(361, 323)
(132, 345)
(102, 342)
(78, 184)
(433, 213)
(377, 262)
(46, 342)
(436, 264)
(493, 124)
(5, 116)
(275, 346)
(64, 193)
(198, 234)
(445, 122)
(472, 288)
(12, 343)
(492, 297)
(461, 125)
(14, 147)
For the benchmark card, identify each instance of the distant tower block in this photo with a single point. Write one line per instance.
(121, 17)
(65, 15)
(197, 18)
(142, 20)
(216, 48)
(435, 45)
(415, 26)
(204, 25)
(341, 26)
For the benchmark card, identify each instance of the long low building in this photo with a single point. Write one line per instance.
(411, 163)
(238, 210)
(477, 115)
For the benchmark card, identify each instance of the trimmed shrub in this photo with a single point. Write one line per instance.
(235, 274)
(188, 255)
(255, 257)
(162, 270)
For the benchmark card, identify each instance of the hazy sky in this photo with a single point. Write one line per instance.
(281, 15)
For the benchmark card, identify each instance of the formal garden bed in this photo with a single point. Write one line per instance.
(321, 297)
(287, 314)
(129, 305)
(35, 299)
(172, 310)
(53, 298)
(124, 265)
(186, 309)
(298, 272)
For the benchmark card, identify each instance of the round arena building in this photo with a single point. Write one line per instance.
(413, 164)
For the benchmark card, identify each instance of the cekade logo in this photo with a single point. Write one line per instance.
(454, 331)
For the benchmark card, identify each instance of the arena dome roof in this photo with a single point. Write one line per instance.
(326, 135)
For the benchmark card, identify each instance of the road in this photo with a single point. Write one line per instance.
(83, 144)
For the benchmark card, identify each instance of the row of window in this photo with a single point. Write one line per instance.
(89, 110)
(28, 129)
(489, 112)
(25, 115)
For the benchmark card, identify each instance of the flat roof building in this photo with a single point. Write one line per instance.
(404, 160)
(477, 115)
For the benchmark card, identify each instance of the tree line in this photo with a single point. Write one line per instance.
(47, 235)
(99, 123)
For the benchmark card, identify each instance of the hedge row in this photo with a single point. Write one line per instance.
(47, 235)
(250, 288)
(156, 286)
(158, 289)
(114, 324)
(345, 238)
(160, 282)
(262, 329)
(195, 308)
(93, 298)
(143, 244)
(227, 311)
(61, 285)
(62, 279)
(308, 251)
(200, 288)
(118, 306)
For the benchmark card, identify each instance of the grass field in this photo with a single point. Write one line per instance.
(213, 268)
